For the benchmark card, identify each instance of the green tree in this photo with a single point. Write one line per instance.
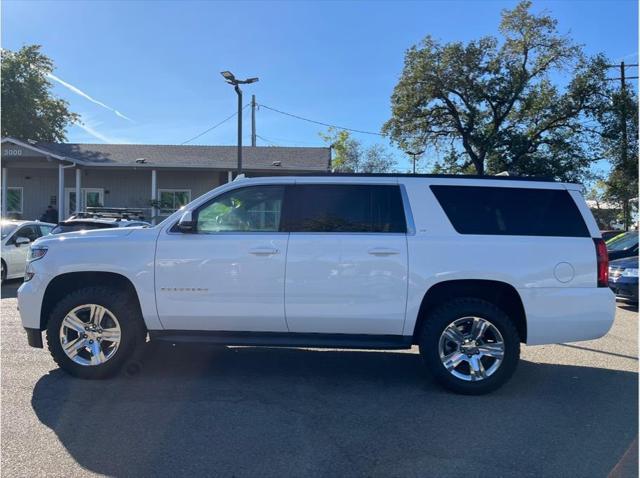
(29, 110)
(349, 156)
(618, 117)
(493, 104)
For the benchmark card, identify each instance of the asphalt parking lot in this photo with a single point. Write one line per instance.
(570, 410)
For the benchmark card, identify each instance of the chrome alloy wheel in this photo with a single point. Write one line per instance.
(471, 348)
(90, 334)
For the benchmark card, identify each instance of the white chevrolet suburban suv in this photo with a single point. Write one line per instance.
(466, 268)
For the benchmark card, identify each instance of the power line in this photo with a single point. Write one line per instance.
(320, 122)
(214, 126)
(266, 140)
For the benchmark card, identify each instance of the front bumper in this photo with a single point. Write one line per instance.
(30, 296)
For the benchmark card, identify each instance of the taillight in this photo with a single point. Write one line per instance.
(603, 263)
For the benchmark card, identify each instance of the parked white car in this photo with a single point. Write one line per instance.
(465, 268)
(16, 237)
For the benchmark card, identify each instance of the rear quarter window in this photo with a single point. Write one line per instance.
(511, 211)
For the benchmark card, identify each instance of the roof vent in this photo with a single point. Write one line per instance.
(32, 141)
(276, 163)
(141, 160)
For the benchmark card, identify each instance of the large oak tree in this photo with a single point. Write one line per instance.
(501, 104)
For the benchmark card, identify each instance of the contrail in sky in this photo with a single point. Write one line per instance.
(78, 91)
(94, 133)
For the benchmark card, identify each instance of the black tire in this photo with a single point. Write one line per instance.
(122, 305)
(3, 272)
(440, 318)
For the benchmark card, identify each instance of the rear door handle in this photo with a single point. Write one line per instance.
(263, 251)
(383, 251)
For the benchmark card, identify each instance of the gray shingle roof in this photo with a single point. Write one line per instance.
(173, 156)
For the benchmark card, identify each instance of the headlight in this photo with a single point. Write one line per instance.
(36, 252)
(630, 273)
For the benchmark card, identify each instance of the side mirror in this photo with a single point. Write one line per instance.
(186, 223)
(21, 241)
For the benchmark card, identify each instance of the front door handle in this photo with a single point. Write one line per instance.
(263, 251)
(383, 251)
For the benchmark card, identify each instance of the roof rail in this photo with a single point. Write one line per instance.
(444, 176)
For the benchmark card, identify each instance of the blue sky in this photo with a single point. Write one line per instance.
(157, 64)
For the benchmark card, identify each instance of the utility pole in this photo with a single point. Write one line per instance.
(624, 156)
(253, 120)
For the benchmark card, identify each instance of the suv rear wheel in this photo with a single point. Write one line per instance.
(470, 346)
(92, 331)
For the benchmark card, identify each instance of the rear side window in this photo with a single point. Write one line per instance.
(511, 211)
(344, 208)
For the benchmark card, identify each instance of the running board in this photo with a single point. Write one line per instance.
(285, 339)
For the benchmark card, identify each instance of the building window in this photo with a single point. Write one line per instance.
(14, 200)
(173, 199)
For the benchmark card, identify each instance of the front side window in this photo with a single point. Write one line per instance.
(346, 208)
(14, 200)
(173, 199)
(251, 209)
(30, 232)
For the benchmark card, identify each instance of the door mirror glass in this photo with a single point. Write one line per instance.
(186, 223)
(21, 241)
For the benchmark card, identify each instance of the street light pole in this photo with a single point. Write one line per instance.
(414, 154)
(239, 92)
(232, 80)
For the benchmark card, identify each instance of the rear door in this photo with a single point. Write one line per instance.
(346, 260)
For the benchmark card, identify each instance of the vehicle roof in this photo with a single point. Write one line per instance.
(20, 222)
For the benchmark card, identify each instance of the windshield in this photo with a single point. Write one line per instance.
(8, 229)
(80, 226)
(628, 240)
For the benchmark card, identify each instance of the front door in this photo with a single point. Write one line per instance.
(346, 260)
(229, 273)
(91, 197)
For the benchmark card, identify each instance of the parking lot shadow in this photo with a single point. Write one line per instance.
(205, 411)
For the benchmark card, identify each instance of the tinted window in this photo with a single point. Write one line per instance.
(511, 211)
(627, 241)
(30, 232)
(251, 209)
(345, 208)
(80, 226)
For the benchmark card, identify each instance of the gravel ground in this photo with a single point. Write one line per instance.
(570, 410)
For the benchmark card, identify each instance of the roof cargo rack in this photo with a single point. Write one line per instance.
(117, 213)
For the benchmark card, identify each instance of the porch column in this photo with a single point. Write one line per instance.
(229, 176)
(78, 190)
(5, 177)
(154, 195)
(60, 192)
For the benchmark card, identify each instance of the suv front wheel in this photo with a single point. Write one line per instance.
(470, 346)
(93, 331)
